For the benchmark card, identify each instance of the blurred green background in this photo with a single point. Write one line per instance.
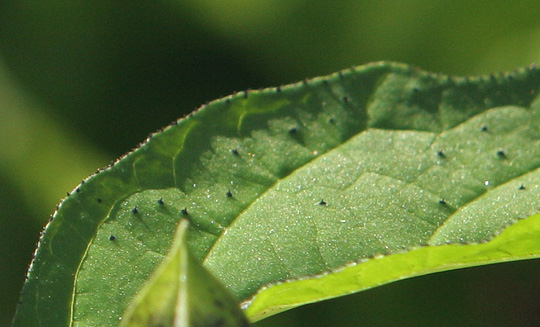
(82, 82)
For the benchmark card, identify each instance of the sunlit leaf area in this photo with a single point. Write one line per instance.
(83, 83)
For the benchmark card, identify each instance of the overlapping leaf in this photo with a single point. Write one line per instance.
(181, 293)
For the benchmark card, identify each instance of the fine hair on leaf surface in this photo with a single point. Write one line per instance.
(305, 192)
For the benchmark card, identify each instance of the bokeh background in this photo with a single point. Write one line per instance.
(82, 82)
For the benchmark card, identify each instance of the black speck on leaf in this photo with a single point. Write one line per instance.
(522, 187)
(229, 194)
(440, 154)
(484, 128)
(160, 201)
(322, 203)
(219, 304)
(501, 154)
(99, 200)
(442, 201)
(135, 210)
(184, 212)
(235, 152)
(112, 238)
(293, 130)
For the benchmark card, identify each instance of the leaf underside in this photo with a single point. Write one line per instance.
(292, 182)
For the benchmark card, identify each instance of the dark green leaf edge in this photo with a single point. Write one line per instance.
(73, 226)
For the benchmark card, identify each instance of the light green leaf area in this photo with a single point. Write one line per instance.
(298, 182)
(182, 293)
(517, 242)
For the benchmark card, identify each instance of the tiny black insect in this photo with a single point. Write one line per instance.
(99, 200)
(522, 187)
(440, 154)
(484, 128)
(442, 201)
(67, 193)
(160, 201)
(235, 152)
(77, 190)
(112, 238)
(135, 210)
(501, 154)
(332, 120)
(184, 212)
(293, 130)
(322, 203)
(229, 194)
(346, 99)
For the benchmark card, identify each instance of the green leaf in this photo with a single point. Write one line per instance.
(299, 182)
(183, 293)
(517, 242)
